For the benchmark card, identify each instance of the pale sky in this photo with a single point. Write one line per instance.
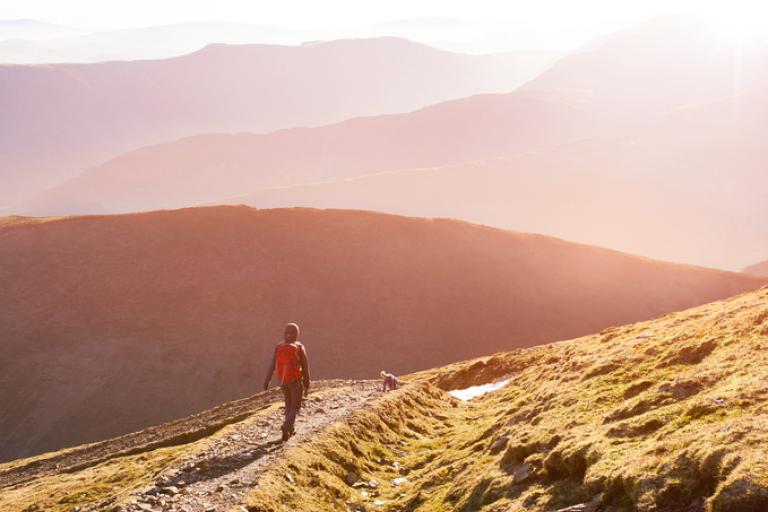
(544, 14)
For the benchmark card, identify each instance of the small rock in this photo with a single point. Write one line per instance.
(499, 444)
(289, 477)
(399, 481)
(170, 490)
(523, 473)
(234, 481)
(219, 488)
(592, 506)
(351, 478)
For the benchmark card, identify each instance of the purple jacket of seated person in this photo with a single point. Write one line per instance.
(390, 381)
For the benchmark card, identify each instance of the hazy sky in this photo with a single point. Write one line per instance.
(547, 14)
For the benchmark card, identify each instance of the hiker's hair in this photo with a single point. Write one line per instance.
(383, 373)
(294, 327)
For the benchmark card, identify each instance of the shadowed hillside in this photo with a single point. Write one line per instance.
(177, 311)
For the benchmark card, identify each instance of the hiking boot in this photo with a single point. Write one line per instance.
(286, 433)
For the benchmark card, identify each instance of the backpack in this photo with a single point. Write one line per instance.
(288, 364)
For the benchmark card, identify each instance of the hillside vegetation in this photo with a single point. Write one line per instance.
(666, 415)
(178, 311)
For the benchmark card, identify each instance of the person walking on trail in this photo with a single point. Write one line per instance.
(289, 362)
(390, 381)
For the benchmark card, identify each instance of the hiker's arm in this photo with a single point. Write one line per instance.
(270, 371)
(304, 367)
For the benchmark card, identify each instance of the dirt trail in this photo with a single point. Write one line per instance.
(217, 478)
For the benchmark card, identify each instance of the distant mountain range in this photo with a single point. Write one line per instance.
(662, 193)
(651, 111)
(31, 30)
(60, 119)
(31, 42)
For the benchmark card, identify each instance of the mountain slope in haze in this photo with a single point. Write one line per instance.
(663, 415)
(647, 81)
(60, 119)
(163, 41)
(26, 29)
(758, 269)
(666, 415)
(658, 65)
(185, 306)
(207, 167)
(674, 191)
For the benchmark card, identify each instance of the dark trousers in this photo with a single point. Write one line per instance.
(292, 391)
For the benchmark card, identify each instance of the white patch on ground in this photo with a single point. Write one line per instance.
(475, 391)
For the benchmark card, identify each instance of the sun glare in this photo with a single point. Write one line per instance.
(742, 25)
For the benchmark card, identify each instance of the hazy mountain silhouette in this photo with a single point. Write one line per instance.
(34, 42)
(27, 29)
(60, 119)
(620, 86)
(758, 269)
(176, 311)
(675, 192)
(201, 168)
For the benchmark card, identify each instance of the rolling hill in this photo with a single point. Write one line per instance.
(758, 269)
(699, 171)
(177, 311)
(618, 87)
(208, 167)
(667, 415)
(59, 119)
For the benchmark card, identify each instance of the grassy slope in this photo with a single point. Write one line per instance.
(106, 473)
(185, 306)
(665, 415)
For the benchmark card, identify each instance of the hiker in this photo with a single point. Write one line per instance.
(289, 362)
(390, 381)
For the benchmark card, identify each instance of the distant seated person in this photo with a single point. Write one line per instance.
(390, 381)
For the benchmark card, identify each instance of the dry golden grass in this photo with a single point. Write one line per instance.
(66, 492)
(664, 415)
